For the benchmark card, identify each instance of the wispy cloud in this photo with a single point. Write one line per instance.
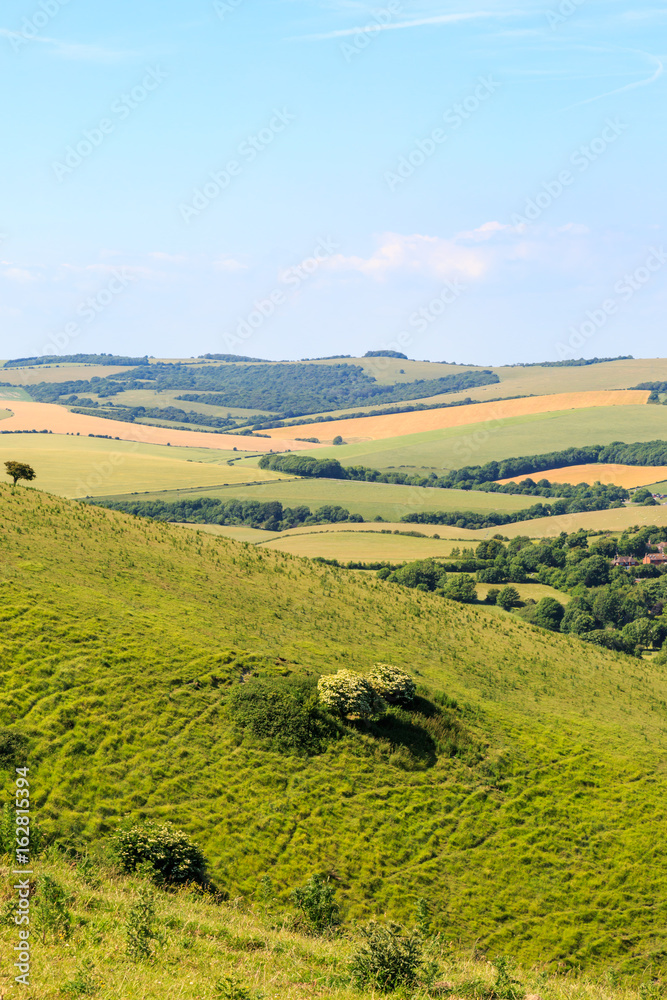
(454, 18)
(658, 70)
(69, 50)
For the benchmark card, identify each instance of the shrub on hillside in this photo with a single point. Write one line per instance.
(169, 853)
(393, 684)
(349, 694)
(389, 958)
(318, 907)
(461, 588)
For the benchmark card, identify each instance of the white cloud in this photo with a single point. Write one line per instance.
(229, 264)
(19, 275)
(416, 254)
(68, 50)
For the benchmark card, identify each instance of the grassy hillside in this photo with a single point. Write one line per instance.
(540, 836)
(451, 448)
(205, 947)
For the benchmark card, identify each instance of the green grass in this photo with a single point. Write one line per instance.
(121, 638)
(367, 499)
(362, 546)
(258, 948)
(81, 466)
(169, 397)
(476, 444)
(13, 392)
(4, 414)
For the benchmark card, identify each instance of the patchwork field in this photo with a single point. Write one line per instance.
(82, 466)
(451, 448)
(367, 499)
(50, 417)
(394, 425)
(628, 476)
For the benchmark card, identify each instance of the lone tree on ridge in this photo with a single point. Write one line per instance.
(20, 470)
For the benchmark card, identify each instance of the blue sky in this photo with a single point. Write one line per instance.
(297, 179)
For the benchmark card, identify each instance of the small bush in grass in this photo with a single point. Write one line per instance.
(231, 988)
(284, 714)
(389, 958)
(393, 684)
(318, 907)
(163, 851)
(141, 928)
(349, 694)
(50, 908)
(84, 984)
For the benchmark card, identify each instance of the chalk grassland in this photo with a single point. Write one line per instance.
(82, 466)
(367, 499)
(117, 670)
(57, 373)
(51, 417)
(528, 435)
(4, 414)
(420, 421)
(620, 475)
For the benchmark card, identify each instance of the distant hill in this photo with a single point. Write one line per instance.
(515, 796)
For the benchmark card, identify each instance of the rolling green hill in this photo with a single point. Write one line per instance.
(528, 808)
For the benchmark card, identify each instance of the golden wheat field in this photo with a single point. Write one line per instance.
(50, 417)
(399, 424)
(627, 476)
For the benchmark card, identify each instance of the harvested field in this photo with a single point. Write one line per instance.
(50, 417)
(83, 466)
(366, 547)
(57, 373)
(628, 476)
(361, 429)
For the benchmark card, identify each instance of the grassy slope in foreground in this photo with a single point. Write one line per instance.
(204, 942)
(547, 845)
(368, 499)
(454, 447)
(83, 466)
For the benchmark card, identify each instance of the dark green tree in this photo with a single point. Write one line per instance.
(20, 470)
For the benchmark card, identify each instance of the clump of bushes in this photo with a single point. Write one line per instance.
(349, 694)
(393, 684)
(284, 714)
(169, 855)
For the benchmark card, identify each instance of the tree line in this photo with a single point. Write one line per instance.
(269, 515)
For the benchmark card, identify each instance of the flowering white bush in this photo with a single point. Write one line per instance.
(393, 684)
(348, 693)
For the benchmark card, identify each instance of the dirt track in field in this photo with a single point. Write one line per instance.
(358, 429)
(618, 475)
(50, 417)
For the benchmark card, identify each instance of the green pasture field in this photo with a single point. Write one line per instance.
(527, 592)
(540, 837)
(4, 414)
(367, 499)
(476, 444)
(81, 466)
(363, 547)
(13, 392)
